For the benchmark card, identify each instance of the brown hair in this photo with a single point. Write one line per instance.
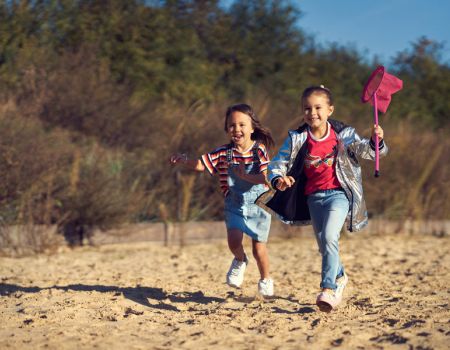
(314, 89)
(261, 133)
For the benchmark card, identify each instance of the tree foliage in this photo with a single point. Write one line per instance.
(127, 82)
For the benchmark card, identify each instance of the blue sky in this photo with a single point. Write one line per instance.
(377, 27)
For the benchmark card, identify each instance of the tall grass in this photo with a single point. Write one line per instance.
(96, 158)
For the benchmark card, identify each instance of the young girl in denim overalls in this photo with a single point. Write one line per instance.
(241, 166)
(318, 178)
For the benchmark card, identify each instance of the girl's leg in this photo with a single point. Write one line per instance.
(261, 257)
(328, 212)
(235, 237)
(336, 213)
(265, 284)
(235, 274)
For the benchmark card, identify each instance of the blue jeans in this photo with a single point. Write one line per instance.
(328, 211)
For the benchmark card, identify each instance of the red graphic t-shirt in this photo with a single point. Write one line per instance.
(320, 162)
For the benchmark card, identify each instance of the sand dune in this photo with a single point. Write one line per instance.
(146, 296)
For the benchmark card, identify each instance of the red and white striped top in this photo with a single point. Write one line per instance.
(216, 161)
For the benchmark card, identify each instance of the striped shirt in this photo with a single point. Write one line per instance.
(216, 162)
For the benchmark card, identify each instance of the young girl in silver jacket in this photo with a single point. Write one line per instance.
(316, 177)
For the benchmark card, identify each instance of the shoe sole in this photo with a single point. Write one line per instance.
(265, 295)
(234, 285)
(324, 307)
(268, 297)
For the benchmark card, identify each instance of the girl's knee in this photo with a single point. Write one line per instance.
(331, 244)
(331, 236)
(256, 253)
(234, 239)
(234, 244)
(259, 249)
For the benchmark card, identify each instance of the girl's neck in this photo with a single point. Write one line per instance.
(245, 147)
(319, 132)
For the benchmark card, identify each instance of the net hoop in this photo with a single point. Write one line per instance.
(366, 96)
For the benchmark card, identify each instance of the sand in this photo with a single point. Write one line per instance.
(146, 296)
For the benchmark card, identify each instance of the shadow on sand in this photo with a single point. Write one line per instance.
(139, 294)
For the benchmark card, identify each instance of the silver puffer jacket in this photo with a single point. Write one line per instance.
(348, 171)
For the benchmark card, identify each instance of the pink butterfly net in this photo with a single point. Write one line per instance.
(378, 91)
(381, 85)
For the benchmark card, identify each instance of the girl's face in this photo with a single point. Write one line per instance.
(316, 110)
(240, 129)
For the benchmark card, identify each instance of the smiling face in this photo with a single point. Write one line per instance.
(316, 111)
(240, 130)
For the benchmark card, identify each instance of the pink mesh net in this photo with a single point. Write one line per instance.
(382, 85)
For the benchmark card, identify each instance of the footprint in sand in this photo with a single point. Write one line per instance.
(129, 311)
(413, 323)
(337, 342)
(390, 338)
(391, 321)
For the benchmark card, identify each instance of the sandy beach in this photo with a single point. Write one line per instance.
(147, 296)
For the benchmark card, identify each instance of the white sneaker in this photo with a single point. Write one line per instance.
(235, 275)
(341, 282)
(265, 287)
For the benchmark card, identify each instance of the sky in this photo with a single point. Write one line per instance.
(377, 27)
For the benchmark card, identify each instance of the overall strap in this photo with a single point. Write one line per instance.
(229, 153)
(255, 152)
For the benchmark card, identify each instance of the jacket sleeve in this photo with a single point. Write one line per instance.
(365, 148)
(278, 166)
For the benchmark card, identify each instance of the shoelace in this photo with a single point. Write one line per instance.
(341, 283)
(236, 265)
(339, 289)
(265, 288)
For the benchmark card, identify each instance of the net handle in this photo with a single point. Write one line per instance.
(377, 151)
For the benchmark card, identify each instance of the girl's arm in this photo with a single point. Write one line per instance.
(278, 166)
(280, 182)
(192, 164)
(365, 148)
(252, 178)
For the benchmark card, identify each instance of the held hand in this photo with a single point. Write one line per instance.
(240, 170)
(178, 158)
(377, 131)
(284, 182)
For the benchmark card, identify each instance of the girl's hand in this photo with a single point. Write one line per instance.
(240, 171)
(178, 158)
(284, 182)
(191, 164)
(377, 130)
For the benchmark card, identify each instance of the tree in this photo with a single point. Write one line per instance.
(427, 83)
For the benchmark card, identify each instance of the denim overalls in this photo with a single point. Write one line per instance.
(241, 212)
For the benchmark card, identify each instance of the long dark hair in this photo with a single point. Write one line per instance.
(261, 133)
